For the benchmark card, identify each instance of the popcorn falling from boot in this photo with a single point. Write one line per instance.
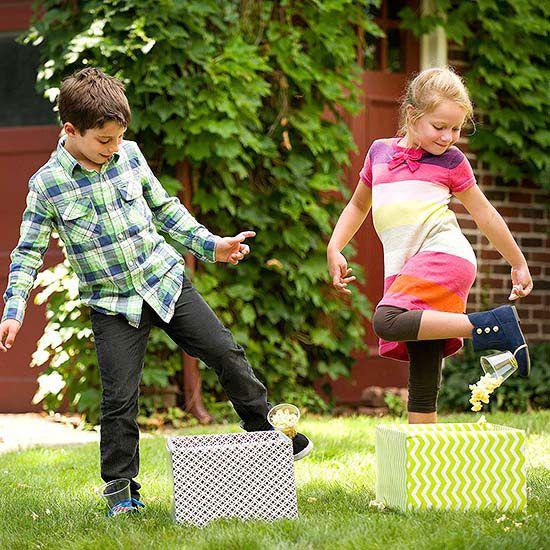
(482, 389)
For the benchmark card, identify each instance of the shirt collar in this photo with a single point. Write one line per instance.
(69, 163)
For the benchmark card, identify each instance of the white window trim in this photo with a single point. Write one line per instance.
(433, 46)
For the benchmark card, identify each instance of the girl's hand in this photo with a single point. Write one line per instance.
(522, 284)
(232, 249)
(339, 271)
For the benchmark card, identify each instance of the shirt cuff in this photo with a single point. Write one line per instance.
(15, 309)
(209, 251)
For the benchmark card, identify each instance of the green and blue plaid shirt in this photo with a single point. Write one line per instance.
(108, 221)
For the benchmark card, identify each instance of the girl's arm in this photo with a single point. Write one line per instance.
(492, 225)
(349, 222)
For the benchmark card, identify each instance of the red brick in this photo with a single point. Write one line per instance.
(532, 241)
(534, 298)
(535, 270)
(509, 212)
(541, 313)
(518, 227)
(541, 257)
(459, 208)
(532, 213)
(526, 198)
(490, 255)
(504, 269)
(467, 223)
(495, 283)
(494, 196)
(530, 327)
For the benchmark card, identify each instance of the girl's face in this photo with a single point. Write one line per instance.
(439, 129)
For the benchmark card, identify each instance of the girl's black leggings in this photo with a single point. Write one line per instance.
(395, 324)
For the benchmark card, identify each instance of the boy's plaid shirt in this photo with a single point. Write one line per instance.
(108, 221)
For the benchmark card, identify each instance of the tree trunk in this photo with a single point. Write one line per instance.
(190, 378)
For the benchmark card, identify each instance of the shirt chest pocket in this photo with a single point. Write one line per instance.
(80, 221)
(133, 202)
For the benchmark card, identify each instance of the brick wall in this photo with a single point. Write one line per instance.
(525, 208)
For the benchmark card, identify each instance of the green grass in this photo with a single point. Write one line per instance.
(48, 499)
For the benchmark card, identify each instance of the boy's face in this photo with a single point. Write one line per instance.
(96, 145)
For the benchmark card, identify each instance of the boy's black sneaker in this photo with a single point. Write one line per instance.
(301, 446)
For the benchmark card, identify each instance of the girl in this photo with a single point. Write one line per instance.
(429, 264)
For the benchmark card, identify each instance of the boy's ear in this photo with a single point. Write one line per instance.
(70, 129)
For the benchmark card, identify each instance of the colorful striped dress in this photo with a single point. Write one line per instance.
(428, 262)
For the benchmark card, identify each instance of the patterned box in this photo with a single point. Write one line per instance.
(243, 475)
(450, 466)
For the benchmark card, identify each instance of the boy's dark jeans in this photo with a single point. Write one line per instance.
(120, 352)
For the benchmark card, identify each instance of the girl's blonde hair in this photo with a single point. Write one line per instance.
(429, 88)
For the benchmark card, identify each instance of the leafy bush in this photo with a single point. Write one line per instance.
(250, 97)
(396, 405)
(516, 393)
(507, 47)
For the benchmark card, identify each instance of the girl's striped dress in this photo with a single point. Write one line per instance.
(428, 262)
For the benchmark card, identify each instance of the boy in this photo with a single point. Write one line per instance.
(99, 194)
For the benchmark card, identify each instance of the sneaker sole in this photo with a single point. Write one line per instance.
(526, 349)
(304, 452)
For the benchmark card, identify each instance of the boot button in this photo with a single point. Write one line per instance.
(487, 330)
(495, 329)
(479, 331)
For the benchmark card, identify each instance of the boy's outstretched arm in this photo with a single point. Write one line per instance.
(172, 217)
(233, 249)
(26, 260)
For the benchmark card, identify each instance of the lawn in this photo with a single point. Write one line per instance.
(49, 500)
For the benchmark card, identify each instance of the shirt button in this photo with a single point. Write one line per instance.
(479, 331)
(487, 330)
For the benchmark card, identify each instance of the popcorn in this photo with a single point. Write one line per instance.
(482, 419)
(284, 418)
(377, 504)
(482, 389)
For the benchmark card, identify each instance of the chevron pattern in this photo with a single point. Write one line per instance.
(451, 467)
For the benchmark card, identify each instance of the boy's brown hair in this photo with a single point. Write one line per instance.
(89, 98)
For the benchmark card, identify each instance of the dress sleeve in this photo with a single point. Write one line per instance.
(461, 177)
(366, 172)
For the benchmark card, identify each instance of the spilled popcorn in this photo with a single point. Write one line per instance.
(377, 504)
(285, 420)
(482, 389)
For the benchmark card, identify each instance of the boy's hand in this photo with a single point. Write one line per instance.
(232, 249)
(8, 331)
(522, 284)
(339, 271)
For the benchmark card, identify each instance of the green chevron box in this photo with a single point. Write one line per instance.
(450, 466)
